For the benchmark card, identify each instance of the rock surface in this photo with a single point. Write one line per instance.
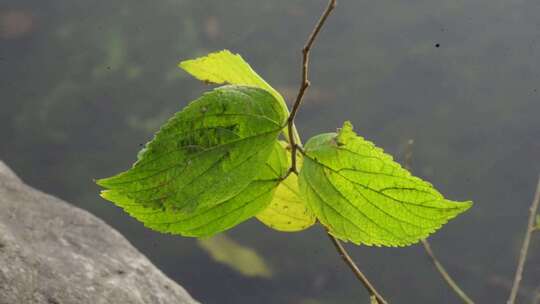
(54, 253)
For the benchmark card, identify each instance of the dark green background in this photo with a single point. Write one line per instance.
(84, 83)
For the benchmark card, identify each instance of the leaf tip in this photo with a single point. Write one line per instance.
(101, 182)
(207, 68)
(347, 126)
(106, 194)
(466, 205)
(345, 133)
(187, 63)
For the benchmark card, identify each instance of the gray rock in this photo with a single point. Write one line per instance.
(54, 253)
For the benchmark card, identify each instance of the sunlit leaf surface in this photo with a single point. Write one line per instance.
(204, 171)
(288, 210)
(362, 195)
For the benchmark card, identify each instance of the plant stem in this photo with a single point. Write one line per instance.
(536, 296)
(347, 258)
(525, 247)
(296, 145)
(305, 82)
(447, 278)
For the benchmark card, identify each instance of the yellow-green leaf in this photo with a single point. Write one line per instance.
(206, 169)
(288, 211)
(361, 195)
(225, 67)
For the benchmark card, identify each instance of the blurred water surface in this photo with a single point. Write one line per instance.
(84, 83)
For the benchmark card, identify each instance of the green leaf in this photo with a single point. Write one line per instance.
(361, 195)
(225, 67)
(245, 260)
(288, 211)
(205, 170)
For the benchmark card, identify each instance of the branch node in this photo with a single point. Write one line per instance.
(305, 81)
(296, 146)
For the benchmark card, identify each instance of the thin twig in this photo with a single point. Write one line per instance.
(536, 295)
(305, 82)
(347, 258)
(447, 278)
(525, 247)
(296, 146)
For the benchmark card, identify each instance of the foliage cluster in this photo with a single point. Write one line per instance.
(219, 162)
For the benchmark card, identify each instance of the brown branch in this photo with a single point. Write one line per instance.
(447, 278)
(347, 258)
(296, 146)
(525, 247)
(305, 82)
